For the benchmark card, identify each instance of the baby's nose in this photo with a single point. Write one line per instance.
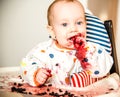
(73, 28)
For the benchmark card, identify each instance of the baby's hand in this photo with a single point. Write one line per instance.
(42, 75)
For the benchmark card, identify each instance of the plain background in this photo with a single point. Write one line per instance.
(23, 25)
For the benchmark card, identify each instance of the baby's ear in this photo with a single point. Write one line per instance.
(51, 32)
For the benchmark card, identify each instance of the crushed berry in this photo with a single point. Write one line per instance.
(66, 92)
(111, 89)
(106, 92)
(60, 90)
(19, 90)
(80, 50)
(19, 84)
(56, 94)
(85, 59)
(52, 93)
(50, 85)
(20, 76)
(22, 80)
(70, 95)
(56, 64)
(1, 87)
(13, 89)
(48, 89)
(81, 95)
(30, 93)
(42, 86)
(41, 94)
(15, 83)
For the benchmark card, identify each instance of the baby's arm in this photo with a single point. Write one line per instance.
(96, 63)
(100, 61)
(34, 72)
(42, 75)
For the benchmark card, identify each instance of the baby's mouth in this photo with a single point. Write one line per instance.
(77, 40)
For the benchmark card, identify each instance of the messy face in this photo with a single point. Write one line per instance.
(67, 21)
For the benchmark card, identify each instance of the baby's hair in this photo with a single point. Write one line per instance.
(49, 11)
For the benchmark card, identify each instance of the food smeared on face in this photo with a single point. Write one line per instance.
(78, 41)
(79, 44)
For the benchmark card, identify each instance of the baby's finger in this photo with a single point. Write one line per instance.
(44, 75)
(48, 73)
(41, 80)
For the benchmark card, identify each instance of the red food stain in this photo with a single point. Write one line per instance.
(81, 50)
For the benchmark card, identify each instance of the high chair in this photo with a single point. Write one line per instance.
(109, 27)
(102, 33)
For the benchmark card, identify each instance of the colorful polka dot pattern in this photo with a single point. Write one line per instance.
(99, 51)
(51, 56)
(96, 72)
(34, 63)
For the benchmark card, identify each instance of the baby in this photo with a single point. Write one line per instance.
(66, 59)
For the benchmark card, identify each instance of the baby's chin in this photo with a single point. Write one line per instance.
(70, 47)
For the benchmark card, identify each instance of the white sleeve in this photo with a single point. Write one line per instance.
(29, 67)
(34, 60)
(28, 70)
(100, 60)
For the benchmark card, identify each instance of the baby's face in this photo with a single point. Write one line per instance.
(68, 20)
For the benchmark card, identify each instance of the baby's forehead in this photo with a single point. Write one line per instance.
(59, 5)
(62, 3)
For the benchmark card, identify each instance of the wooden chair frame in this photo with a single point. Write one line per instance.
(109, 27)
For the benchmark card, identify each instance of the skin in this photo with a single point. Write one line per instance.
(42, 75)
(67, 20)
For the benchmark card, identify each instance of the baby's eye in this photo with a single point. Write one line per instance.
(79, 23)
(64, 24)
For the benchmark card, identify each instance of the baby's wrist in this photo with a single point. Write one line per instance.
(35, 77)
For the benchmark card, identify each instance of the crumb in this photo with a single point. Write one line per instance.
(50, 85)
(48, 89)
(30, 93)
(19, 84)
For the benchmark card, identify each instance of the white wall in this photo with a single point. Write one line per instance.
(22, 25)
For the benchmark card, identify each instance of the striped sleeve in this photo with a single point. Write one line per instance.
(82, 79)
(97, 33)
